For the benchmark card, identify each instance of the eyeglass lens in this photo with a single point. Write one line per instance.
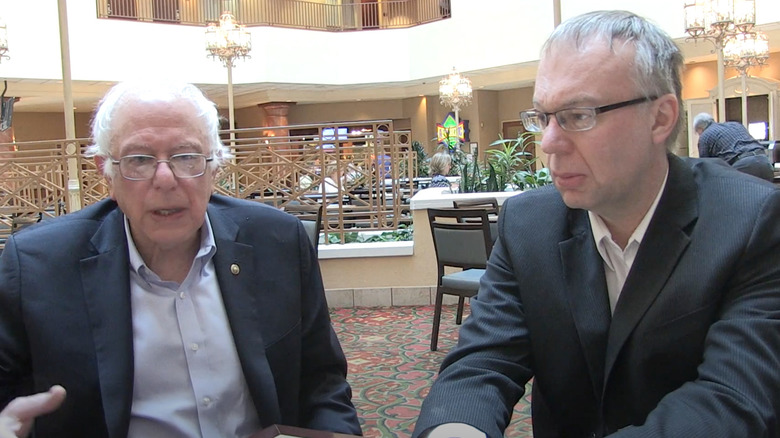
(574, 119)
(139, 167)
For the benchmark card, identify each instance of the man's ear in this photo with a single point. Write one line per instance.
(666, 111)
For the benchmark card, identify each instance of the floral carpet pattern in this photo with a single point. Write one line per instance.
(391, 367)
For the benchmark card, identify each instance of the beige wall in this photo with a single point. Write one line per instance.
(48, 126)
(700, 78)
(374, 272)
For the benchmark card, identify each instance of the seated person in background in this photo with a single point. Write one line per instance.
(167, 310)
(331, 180)
(641, 292)
(732, 143)
(440, 165)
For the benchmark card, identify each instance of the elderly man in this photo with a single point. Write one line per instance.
(732, 143)
(167, 310)
(641, 292)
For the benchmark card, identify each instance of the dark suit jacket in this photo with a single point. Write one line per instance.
(65, 319)
(693, 347)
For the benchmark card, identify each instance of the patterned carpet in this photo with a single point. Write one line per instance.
(391, 366)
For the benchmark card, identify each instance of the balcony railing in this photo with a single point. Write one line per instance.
(332, 15)
(375, 164)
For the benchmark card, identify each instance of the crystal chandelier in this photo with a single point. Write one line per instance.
(745, 50)
(455, 91)
(717, 21)
(228, 40)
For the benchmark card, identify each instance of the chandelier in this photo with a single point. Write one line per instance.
(717, 20)
(3, 41)
(745, 50)
(228, 40)
(455, 90)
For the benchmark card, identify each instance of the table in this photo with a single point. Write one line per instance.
(279, 431)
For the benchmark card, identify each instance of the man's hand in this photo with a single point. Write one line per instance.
(17, 418)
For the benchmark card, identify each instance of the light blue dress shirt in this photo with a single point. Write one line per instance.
(188, 380)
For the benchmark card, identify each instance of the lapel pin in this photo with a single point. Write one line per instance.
(234, 269)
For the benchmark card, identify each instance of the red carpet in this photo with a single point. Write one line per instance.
(391, 366)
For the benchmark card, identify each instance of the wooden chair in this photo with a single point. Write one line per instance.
(311, 217)
(461, 239)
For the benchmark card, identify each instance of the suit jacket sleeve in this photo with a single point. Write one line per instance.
(325, 395)
(14, 363)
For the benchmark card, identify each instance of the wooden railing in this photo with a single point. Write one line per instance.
(373, 163)
(330, 15)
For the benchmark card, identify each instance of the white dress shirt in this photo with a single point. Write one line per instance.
(187, 378)
(618, 262)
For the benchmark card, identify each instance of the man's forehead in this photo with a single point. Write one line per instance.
(578, 74)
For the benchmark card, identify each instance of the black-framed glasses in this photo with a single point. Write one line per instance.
(142, 167)
(574, 119)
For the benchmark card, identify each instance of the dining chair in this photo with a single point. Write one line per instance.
(461, 239)
(490, 204)
(311, 217)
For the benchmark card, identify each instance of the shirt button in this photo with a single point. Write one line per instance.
(181, 295)
(206, 401)
(194, 346)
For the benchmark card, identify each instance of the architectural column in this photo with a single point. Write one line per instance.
(276, 115)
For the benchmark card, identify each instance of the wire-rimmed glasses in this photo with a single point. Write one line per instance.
(142, 167)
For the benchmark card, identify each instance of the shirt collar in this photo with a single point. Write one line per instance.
(208, 246)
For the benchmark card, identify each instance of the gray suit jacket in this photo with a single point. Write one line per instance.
(65, 319)
(693, 347)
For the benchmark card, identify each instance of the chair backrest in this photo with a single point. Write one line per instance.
(461, 237)
(489, 204)
(311, 217)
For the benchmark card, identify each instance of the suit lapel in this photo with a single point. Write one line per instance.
(241, 284)
(106, 281)
(664, 242)
(586, 290)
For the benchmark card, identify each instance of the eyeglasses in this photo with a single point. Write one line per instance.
(142, 167)
(573, 119)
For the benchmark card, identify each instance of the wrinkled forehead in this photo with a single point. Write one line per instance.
(133, 115)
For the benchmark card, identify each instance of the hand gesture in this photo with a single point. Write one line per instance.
(17, 418)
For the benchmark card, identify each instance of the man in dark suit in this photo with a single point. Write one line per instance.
(642, 292)
(731, 142)
(166, 310)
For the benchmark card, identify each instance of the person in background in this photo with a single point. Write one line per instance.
(641, 292)
(732, 143)
(166, 310)
(440, 165)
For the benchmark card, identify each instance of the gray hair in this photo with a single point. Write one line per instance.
(702, 121)
(657, 61)
(439, 161)
(103, 128)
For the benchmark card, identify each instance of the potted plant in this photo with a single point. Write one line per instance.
(508, 167)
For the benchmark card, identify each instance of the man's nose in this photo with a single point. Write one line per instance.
(554, 137)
